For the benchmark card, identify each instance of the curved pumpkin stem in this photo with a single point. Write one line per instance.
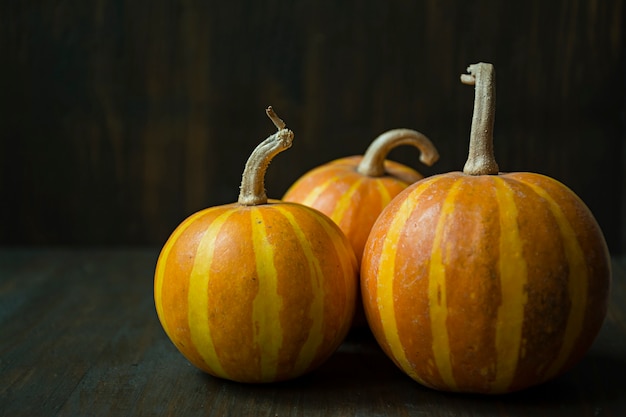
(481, 159)
(373, 162)
(252, 190)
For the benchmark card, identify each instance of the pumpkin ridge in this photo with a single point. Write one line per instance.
(347, 261)
(438, 308)
(472, 283)
(162, 264)
(316, 309)
(267, 303)
(385, 282)
(513, 274)
(577, 283)
(294, 288)
(314, 194)
(346, 257)
(411, 308)
(597, 258)
(344, 203)
(198, 313)
(383, 192)
(547, 268)
(176, 263)
(299, 191)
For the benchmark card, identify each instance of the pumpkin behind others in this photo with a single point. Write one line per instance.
(353, 190)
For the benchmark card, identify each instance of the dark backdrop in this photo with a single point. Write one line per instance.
(121, 118)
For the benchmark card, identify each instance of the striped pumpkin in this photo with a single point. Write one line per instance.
(484, 282)
(259, 290)
(353, 190)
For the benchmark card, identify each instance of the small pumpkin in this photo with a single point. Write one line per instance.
(259, 290)
(481, 281)
(353, 190)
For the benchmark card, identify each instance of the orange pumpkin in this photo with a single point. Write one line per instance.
(259, 290)
(480, 281)
(352, 191)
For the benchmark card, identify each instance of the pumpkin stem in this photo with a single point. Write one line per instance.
(252, 190)
(373, 162)
(481, 159)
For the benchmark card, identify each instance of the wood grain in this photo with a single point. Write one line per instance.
(80, 336)
(122, 118)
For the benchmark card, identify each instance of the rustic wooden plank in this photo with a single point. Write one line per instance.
(62, 325)
(83, 339)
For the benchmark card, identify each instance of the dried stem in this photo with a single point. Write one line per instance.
(278, 122)
(252, 190)
(481, 159)
(373, 162)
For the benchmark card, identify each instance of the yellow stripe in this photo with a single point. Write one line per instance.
(344, 250)
(316, 192)
(162, 263)
(316, 312)
(513, 280)
(386, 277)
(577, 283)
(385, 197)
(437, 293)
(200, 332)
(345, 201)
(267, 304)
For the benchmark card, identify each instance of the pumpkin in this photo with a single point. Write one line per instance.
(259, 290)
(481, 281)
(353, 190)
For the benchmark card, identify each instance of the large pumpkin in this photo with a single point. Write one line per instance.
(480, 281)
(258, 290)
(353, 190)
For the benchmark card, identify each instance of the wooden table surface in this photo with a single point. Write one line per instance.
(79, 336)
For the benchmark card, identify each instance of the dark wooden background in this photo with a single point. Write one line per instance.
(120, 118)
